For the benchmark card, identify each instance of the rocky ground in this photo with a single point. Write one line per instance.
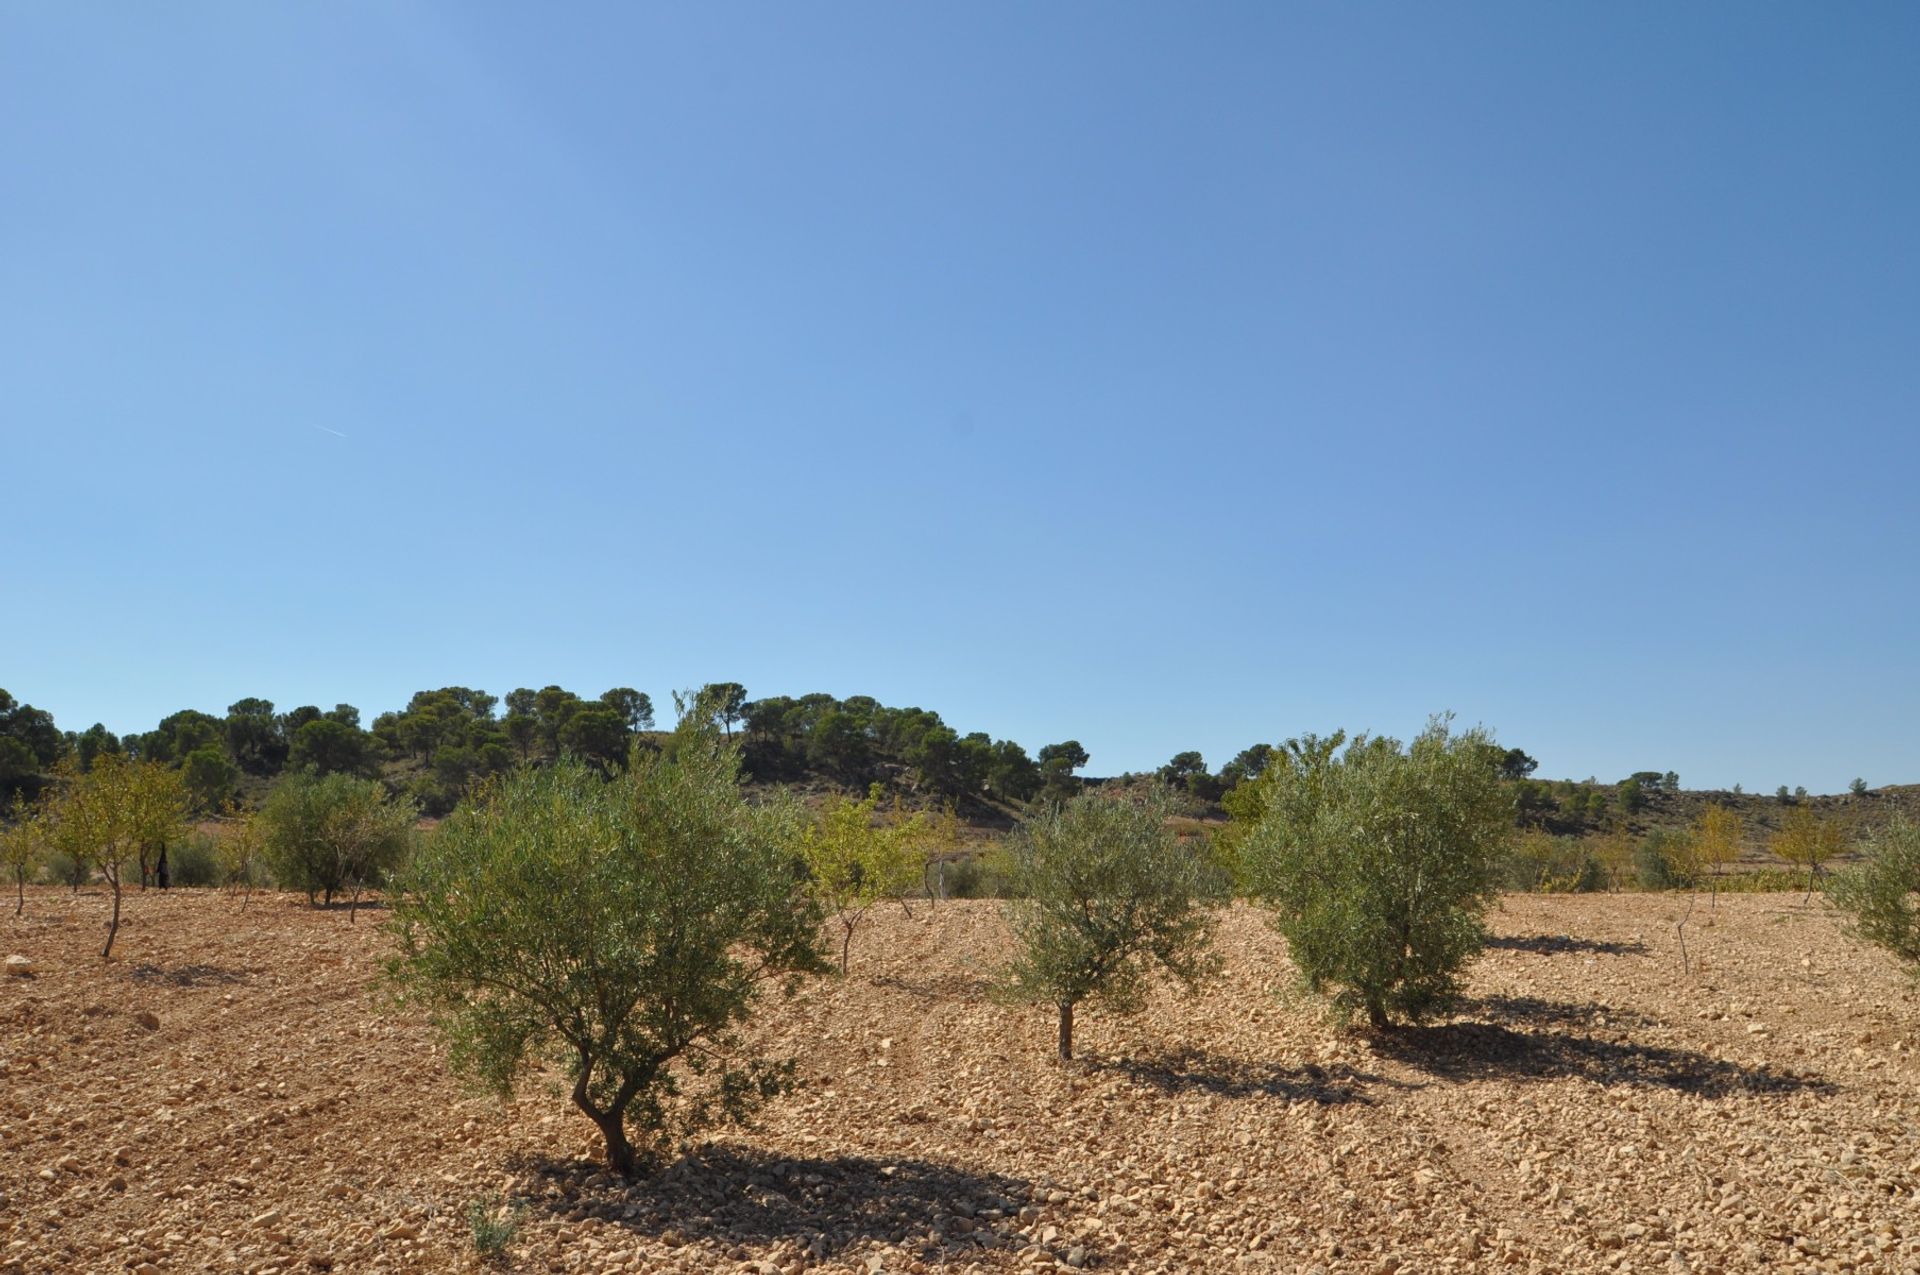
(229, 1094)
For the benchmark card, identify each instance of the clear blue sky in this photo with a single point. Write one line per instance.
(1162, 376)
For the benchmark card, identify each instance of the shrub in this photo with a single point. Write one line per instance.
(1665, 860)
(334, 835)
(1107, 896)
(1613, 855)
(1858, 787)
(621, 928)
(1551, 865)
(57, 867)
(493, 1223)
(1877, 895)
(1380, 864)
(193, 861)
(977, 876)
(1762, 881)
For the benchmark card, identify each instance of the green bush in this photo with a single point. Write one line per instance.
(1589, 876)
(192, 861)
(1380, 864)
(334, 834)
(58, 867)
(1763, 881)
(1541, 864)
(1877, 895)
(1664, 860)
(977, 876)
(493, 1223)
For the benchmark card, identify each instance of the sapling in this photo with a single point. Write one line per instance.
(1105, 895)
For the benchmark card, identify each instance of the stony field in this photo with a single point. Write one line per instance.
(228, 1094)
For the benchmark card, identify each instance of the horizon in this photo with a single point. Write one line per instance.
(1159, 380)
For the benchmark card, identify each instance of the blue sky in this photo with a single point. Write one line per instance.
(1159, 376)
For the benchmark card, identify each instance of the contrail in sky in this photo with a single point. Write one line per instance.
(336, 433)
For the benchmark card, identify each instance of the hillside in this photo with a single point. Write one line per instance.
(1760, 814)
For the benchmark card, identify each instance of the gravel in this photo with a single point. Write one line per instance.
(1593, 1109)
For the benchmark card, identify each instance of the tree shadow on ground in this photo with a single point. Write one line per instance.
(190, 975)
(1549, 944)
(734, 1196)
(1493, 1051)
(1199, 1071)
(1537, 1010)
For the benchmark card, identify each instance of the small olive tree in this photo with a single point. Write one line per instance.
(1807, 840)
(334, 834)
(1877, 894)
(1105, 893)
(22, 842)
(855, 861)
(621, 928)
(1380, 862)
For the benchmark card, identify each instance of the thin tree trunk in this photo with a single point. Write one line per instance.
(1066, 1031)
(1681, 930)
(20, 884)
(1377, 1016)
(113, 926)
(846, 942)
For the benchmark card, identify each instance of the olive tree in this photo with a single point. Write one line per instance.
(1105, 895)
(334, 834)
(21, 842)
(1877, 894)
(1380, 862)
(855, 861)
(621, 928)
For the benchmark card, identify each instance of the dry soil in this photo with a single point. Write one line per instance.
(229, 1094)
